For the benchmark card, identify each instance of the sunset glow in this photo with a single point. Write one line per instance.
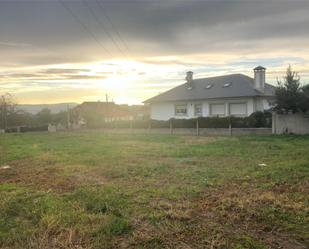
(52, 59)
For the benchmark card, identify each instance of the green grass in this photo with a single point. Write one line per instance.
(96, 190)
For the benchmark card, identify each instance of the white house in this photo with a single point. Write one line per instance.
(227, 95)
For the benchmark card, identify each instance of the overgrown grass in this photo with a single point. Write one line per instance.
(96, 190)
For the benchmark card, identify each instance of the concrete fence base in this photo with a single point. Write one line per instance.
(193, 131)
(290, 123)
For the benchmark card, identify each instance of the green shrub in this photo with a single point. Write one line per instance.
(183, 123)
(214, 122)
(159, 124)
(260, 119)
(255, 120)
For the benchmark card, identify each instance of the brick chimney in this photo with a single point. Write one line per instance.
(189, 79)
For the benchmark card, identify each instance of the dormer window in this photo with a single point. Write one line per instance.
(208, 86)
(227, 84)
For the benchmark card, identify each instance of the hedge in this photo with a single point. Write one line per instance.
(27, 129)
(255, 120)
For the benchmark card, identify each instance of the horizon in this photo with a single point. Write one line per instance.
(59, 51)
(130, 104)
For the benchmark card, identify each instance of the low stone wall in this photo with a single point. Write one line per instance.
(290, 123)
(251, 131)
(193, 131)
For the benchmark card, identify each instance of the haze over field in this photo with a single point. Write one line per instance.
(71, 51)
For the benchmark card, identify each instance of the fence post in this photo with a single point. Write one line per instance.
(149, 125)
(171, 126)
(197, 128)
(273, 125)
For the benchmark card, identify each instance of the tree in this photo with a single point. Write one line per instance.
(7, 110)
(289, 94)
(44, 117)
(305, 98)
(60, 118)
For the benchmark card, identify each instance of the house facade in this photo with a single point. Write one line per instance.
(228, 95)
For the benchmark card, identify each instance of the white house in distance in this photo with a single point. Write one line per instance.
(227, 95)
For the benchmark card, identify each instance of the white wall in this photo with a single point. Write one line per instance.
(162, 111)
(165, 111)
(290, 123)
(262, 104)
(250, 106)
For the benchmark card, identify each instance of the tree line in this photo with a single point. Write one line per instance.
(12, 116)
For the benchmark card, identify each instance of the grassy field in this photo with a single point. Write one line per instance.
(96, 190)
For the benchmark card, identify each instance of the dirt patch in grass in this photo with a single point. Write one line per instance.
(229, 216)
(67, 239)
(202, 140)
(268, 217)
(287, 188)
(45, 173)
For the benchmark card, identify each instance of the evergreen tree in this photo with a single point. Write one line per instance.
(305, 98)
(289, 93)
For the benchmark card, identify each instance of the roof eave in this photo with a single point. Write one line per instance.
(198, 99)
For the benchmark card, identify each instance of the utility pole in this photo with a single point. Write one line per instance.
(2, 112)
(5, 117)
(68, 117)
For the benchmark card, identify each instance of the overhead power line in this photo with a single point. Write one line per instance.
(113, 26)
(85, 28)
(105, 30)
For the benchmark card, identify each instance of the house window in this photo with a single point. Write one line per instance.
(181, 110)
(198, 110)
(238, 109)
(217, 109)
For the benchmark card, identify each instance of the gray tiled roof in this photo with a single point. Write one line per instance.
(241, 86)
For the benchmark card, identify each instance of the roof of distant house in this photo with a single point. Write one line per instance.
(227, 86)
(104, 108)
(112, 109)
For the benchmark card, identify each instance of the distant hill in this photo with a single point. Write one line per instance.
(55, 108)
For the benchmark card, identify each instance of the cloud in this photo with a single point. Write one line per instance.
(64, 70)
(45, 46)
(153, 27)
(54, 74)
(12, 44)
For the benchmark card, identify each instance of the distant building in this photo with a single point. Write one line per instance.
(106, 112)
(228, 95)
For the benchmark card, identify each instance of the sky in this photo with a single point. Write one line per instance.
(54, 51)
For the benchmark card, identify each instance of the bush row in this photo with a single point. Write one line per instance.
(255, 120)
(27, 129)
